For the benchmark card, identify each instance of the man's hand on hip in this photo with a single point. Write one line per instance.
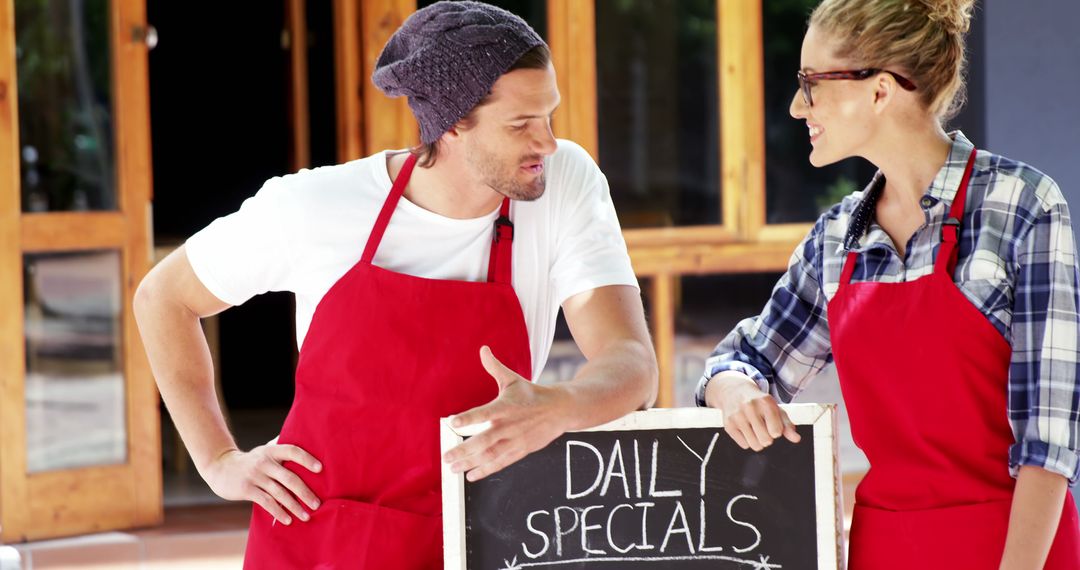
(259, 476)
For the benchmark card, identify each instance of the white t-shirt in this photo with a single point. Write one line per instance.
(302, 232)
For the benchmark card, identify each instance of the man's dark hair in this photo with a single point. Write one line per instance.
(536, 58)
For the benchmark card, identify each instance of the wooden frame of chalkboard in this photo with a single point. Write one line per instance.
(669, 489)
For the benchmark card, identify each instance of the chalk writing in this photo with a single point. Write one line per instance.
(648, 499)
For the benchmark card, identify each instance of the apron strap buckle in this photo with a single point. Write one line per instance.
(504, 229)
(950, 229)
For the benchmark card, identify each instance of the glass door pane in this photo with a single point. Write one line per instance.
(657, 107)
(75, 404)
(65, 105)
(795, 191)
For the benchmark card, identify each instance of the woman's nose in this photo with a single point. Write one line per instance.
(798, 106)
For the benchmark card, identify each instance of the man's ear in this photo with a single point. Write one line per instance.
(453, 133)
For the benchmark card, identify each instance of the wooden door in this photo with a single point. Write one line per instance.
(79, 423)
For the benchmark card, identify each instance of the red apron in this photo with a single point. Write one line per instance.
(386, 356)
(924, 375)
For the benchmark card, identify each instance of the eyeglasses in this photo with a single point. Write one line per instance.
(808, 80)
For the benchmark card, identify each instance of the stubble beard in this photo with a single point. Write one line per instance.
(495, 176)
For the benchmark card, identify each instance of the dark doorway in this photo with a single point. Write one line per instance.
(220, 127)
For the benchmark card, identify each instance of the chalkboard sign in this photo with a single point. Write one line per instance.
(654, 489)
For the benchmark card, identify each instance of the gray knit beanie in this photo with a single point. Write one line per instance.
(446, 57)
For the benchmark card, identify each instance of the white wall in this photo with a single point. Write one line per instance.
(1031, 74)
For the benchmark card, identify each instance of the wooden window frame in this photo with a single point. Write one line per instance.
(742, 242)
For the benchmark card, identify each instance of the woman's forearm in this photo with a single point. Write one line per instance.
(1033, 521)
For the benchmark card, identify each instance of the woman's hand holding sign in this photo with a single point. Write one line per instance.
(751, 417)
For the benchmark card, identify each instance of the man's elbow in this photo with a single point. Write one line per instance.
(145, 295)
(648, 373)
(152, 298)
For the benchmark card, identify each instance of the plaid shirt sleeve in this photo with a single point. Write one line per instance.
(1044, 394)
(788, 343)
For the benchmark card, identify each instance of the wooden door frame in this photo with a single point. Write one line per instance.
(76, 501)
(386, 123)
(12, 356)
(572, 41)
(299, 113)
(348, 79)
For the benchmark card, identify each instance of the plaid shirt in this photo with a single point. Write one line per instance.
(1017, 264)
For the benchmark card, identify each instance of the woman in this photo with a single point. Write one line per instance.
(947, 294)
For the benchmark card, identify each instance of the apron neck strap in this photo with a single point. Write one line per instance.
(383, 220)
(502, 245)
(950, 228)
(950, 232)
(502, 240)
(849, 267)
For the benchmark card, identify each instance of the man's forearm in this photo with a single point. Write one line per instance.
(1033, 521)
(182, 366)
(620, 379)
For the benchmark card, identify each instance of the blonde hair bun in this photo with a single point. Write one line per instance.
(924, 39)
(953, 15)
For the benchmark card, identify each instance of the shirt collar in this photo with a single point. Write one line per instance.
(947, 182)
(863, 214)
(944, 188)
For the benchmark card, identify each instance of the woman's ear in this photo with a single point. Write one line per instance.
(885, 88)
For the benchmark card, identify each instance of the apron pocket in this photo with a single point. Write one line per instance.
(964, 536)
(346, 535)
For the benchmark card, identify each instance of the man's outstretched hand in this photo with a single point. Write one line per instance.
(524, 417)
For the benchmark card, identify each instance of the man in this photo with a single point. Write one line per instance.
(427, 285)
